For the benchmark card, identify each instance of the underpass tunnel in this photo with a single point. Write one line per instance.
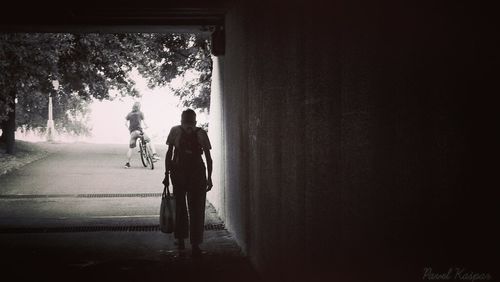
(344, 138)
(347, 132)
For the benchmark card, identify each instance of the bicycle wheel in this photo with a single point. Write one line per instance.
(142, 150)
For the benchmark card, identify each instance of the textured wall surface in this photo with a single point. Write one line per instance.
(346, 131)
(282, 129)
(216, 135)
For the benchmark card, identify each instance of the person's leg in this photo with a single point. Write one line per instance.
(181, 231)
(151, 146)
(129, 155)
(196, 202)
(196, 206)
(153, 150)
(132, 142)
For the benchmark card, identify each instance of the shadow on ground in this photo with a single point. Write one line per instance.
(211, 267)
(47, 259)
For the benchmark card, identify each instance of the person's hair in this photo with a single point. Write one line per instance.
(188, 116)
(136, 106)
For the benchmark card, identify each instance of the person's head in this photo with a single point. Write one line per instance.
(136, 107)
(188, 118)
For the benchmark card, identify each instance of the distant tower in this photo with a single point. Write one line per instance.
(50, 121)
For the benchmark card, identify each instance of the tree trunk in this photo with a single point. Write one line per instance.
(10, 133)
(3, 138)
(9, 128)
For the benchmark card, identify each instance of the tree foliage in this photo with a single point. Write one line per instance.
(89, 66)
(183, 56)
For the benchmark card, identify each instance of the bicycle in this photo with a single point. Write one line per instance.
(146, 154)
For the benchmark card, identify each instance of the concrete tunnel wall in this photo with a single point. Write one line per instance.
(216, 135)
(344, 139)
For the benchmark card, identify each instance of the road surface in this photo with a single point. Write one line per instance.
(78, 214)
(82, 184)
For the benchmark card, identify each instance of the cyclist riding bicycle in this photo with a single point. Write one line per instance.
(135, 124)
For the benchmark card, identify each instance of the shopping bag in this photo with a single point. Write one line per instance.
(167, 211)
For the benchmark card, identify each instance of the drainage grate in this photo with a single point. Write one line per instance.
(72, 229)
(75, 229)
(111, 195)
(37, 196)
(219, 226)
(134, 195)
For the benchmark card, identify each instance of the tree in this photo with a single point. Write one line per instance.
(184, 56)
(89, 66)
(25, 62)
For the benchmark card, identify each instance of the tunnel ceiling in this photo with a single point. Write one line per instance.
(189, 16)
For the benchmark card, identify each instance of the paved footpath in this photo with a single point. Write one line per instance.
(78, 215)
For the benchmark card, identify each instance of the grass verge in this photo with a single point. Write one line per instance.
(26, 152)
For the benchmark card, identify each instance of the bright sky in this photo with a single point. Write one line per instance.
(161, 109)
(108, 117)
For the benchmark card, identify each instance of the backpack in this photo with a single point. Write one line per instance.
(189, 151)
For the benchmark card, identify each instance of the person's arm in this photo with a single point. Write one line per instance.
(205, 144)
(208, 158)
(168, 160)
(144, 125)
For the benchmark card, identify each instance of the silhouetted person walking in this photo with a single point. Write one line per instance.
(186, 144)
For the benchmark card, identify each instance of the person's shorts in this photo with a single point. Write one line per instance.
(133, 138)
